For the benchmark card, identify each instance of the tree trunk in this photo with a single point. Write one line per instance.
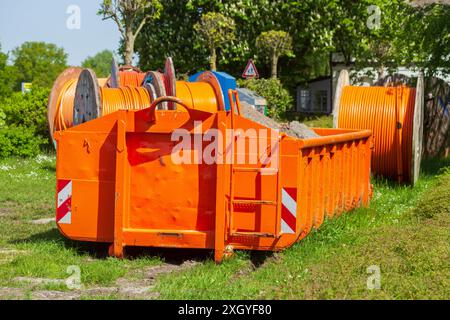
(129, 47)
(213, 59)
(274, 66)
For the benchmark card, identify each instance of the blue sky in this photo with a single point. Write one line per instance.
(46, 20)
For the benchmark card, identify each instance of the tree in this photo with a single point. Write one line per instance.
(305, 20)
(367, 33)
(173, 36)
(274, 44)
(100, 63)
(407, 35)
(39, 63)
(214, 30)
(8, 76)
(130, 17)
(428, 48)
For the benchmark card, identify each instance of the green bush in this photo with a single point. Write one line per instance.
(27, 110)
(19, 141)
(23, 123)
(278, 98)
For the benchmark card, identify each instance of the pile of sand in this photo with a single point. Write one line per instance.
(294, 129)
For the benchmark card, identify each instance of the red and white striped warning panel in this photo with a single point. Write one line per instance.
(64, 208)
(288, 210)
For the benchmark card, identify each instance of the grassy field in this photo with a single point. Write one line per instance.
(404, 233)
(315, 121)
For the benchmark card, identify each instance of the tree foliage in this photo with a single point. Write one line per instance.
(130, 17)
(407, 35)
(175, 36)
(100, 63)
(7, 76)
(278, 98)
(39, 63)
(427, 31)
(215, 30)
(273, 44)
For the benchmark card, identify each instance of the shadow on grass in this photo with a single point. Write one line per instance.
(429, 167)
(433, 166)
(98, 250)
(258, 258)
(174, 256)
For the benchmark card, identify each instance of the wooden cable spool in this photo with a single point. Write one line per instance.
(157, 82)
(92, 102)
(59, 89)
(211, 79)
(125, 76)
(170, 81)
(61, 99)
(395, 117)
(85, 100)
(417, 140)
(114, 81)
(131, 79)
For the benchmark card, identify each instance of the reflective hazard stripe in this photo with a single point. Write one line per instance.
(288, 210)
(64, 204)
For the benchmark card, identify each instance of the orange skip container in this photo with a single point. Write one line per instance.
(118, 183)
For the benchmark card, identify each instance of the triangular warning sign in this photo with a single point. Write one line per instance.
(250, 70)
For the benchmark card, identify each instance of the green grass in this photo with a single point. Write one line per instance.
(315, 121)
(39, 251)
(332, 263)
(404, 232)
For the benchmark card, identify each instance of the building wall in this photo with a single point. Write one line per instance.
(319, 100)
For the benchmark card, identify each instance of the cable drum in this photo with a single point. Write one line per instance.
(87, 98)
(78, 96)
(131, 78)
(92, 102)
(157, 82)
(63, 118)
(124, 98)
(61, 100)
(389, 112)
(58, 95)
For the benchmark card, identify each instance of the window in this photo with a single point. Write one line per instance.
(321, 103)
(304, 100)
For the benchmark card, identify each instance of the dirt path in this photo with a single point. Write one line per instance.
(124, 288)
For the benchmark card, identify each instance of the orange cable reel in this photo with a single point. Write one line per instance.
(389, 113)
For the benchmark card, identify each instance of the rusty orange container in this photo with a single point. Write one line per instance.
(118, 181)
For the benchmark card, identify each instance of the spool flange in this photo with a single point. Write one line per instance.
(210, 78)
(87, 98)
(114, 79)
(417, 139)
(170, 81)
(67, 75)
(343, 81)
(156, 79)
